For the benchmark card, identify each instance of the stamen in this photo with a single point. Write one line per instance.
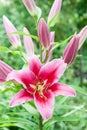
(33, 86)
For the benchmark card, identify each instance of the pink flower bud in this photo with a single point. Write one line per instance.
(4, 71)
(43, 33)
(83, 36)
(71, 50)
(9, 28)
(54, 12)
(52, 36)
(30, 6)
(28, 43)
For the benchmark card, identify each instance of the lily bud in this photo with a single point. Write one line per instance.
(54, 12)
(28, 43)
(9, 28)
(83, 36)
(43, 33)
(4, 71)
(71, 50)
(32, 8)
(52, 36)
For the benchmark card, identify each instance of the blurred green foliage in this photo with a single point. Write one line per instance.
(72, 18)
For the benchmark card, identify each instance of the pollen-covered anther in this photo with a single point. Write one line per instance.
(33, 86)
(40, 88)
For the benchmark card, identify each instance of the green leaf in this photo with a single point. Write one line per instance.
(19, 122)
(30, 109)
(15, 52)
(39, 12)
(57, 44)
(49, 123)
(3, 48)
(62, 100)
(81, 90)
(73, 111)
(22, 33)
(53, 20)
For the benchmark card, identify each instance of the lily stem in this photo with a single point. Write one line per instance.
(81, 69)
(40, 123)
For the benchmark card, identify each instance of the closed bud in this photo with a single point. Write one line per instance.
(43, 33)
(54, 12)
(32, 8)
(71, 50)
(28, 43)
(9, 28)
(52, 36)
(83, 36)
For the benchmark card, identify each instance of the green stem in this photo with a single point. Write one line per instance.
(81, 69)
(47, 52)
(40, 123)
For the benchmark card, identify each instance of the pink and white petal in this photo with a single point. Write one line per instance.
(9, 28)
(43, 33)
(28, 43)
(34, 64)
(62, 89)
(83, 36)
(52, 36)
(71, 50)
(30, 6)
(45, 104)
(53, 70)
(21, 97)
(2, 79)
(4, 71)
(22, 76)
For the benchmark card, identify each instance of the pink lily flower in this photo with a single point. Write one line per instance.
(83, 36)
(28, 43)
(4, 71)
(43, 33)
(40, 84)
(54, 12)
(71, 50)
(9, 28)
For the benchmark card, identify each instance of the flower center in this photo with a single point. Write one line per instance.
(39, 87)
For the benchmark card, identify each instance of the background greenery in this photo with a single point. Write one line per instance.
(70, 113)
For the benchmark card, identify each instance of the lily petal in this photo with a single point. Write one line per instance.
(4, 71)
(62, 89)
(34, 64)
(45, 104)
(28, 43)
(21, 97)
(10, 28)
(53, 70)
(24, 77)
